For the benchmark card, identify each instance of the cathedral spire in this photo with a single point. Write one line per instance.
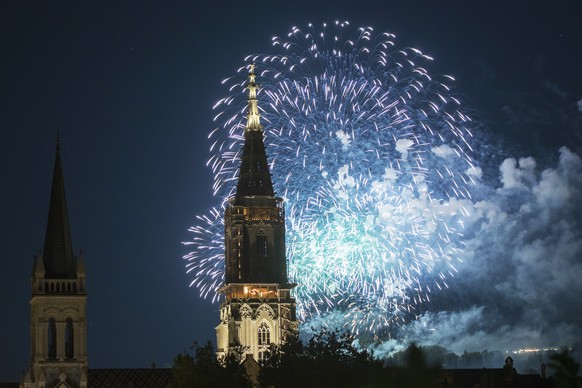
(258, 308)
(254, 177)
(59, 262)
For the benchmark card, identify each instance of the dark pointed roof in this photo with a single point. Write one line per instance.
(254, 176)
(59, 262)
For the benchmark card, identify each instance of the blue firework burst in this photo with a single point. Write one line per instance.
(373, 157)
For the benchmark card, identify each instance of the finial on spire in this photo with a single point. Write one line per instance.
(253, 117)
(58, 141)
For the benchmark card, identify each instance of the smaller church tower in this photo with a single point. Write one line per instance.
(258, 309)
(58, 351)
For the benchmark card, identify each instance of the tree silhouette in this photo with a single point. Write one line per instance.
(565, 370)
(204, 369)
(328, 359)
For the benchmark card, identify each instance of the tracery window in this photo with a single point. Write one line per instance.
(52, 339)
(264, 334)
(69, 339)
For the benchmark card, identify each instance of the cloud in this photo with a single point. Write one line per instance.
(517, 174)
(402, 146)
(390, 174)
(519, 275)
(344, 138)
(443, 151)
(579, 103)
(520, 283)
(474, 171)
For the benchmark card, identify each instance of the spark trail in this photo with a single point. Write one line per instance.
(372, 155)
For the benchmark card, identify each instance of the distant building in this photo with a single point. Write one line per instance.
(58, 335)
(258, 309)
(58, 324)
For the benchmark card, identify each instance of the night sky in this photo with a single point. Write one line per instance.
(130, 86)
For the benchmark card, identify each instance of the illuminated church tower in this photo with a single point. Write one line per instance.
(57, 307)
(258, 309)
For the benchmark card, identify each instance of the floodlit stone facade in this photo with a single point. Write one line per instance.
(254, 322)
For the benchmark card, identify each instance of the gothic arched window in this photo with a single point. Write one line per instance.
(69, 339)
(52, 339)
(261, 244)
(264, 334)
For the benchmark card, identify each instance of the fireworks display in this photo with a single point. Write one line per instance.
(372, 155)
